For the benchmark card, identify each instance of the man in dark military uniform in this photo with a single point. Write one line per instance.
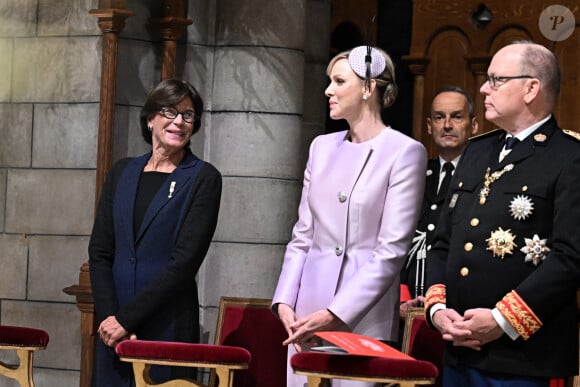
(505, 261)
(450, 123)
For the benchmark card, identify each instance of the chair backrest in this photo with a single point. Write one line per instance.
(421, 341)
(249, 323)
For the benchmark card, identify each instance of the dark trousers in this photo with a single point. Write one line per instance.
(454, 377)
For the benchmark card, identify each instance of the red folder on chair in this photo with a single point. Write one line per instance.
(355, 344)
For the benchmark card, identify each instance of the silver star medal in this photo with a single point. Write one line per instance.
(521, 207)
(535, 249)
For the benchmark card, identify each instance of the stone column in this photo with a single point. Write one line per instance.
(254, 137)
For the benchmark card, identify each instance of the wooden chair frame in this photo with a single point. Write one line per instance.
(317, 379)
(412, 313)
(22, 372)
(141, 368)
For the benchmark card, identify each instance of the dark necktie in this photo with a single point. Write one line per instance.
(510, 142)
(448, 168)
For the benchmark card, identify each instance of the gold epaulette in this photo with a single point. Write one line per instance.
(572, 133)
(494, 132)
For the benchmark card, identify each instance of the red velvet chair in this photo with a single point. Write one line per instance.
(419, 341)
(246, 330)
(422, 342)
(320, 367)
(143, 354)
(249, 323)
(24, 341)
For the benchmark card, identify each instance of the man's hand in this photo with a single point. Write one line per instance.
(405, 306)
(446, 321)
(482, 325)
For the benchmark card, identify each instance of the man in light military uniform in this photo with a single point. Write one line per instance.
(450, 123)
(505, 261)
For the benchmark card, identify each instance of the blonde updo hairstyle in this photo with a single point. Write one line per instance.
(386, 86)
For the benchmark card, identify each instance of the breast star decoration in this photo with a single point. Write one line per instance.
(521, 207)
(501, 242)
(535, 249)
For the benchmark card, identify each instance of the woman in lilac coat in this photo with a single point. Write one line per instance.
(360, 203)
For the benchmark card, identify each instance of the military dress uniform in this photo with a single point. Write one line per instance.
(415, 270)
(509, 238)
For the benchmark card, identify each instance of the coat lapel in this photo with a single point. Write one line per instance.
(432, 181)
(179, 179)
(127, 192)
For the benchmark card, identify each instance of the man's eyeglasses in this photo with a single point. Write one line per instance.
(496, 81)
(172, 113)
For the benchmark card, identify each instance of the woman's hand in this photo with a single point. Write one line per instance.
(288, 318)
(111, 332)
(302, 331)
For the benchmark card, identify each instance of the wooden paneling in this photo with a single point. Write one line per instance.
(448, 47)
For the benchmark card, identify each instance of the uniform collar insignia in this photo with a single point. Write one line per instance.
(540, 137)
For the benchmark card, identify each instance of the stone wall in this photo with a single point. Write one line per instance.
(259, 66)
(49, 94)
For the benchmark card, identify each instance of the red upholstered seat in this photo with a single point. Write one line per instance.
(23, 337)
(143, 354)
(24, 341)
(182, 352)
(362, 366)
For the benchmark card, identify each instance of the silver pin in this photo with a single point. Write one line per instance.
(171, 189)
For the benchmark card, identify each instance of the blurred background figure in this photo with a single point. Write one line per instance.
(451, 122)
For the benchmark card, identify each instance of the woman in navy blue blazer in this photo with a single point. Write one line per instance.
(155, 220)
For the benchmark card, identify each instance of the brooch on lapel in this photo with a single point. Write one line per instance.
(171, 190)
(535, 249)
(521, 207)
(501, 242)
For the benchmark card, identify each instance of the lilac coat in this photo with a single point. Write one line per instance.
(358, 211)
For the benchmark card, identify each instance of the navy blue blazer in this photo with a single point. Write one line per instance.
(146, 277)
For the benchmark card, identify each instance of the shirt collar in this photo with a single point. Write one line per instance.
(526, 132)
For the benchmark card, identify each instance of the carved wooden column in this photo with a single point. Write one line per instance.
(84, 296)
(111, 21)
(417, 67)
(171, 28)
(478, 66)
